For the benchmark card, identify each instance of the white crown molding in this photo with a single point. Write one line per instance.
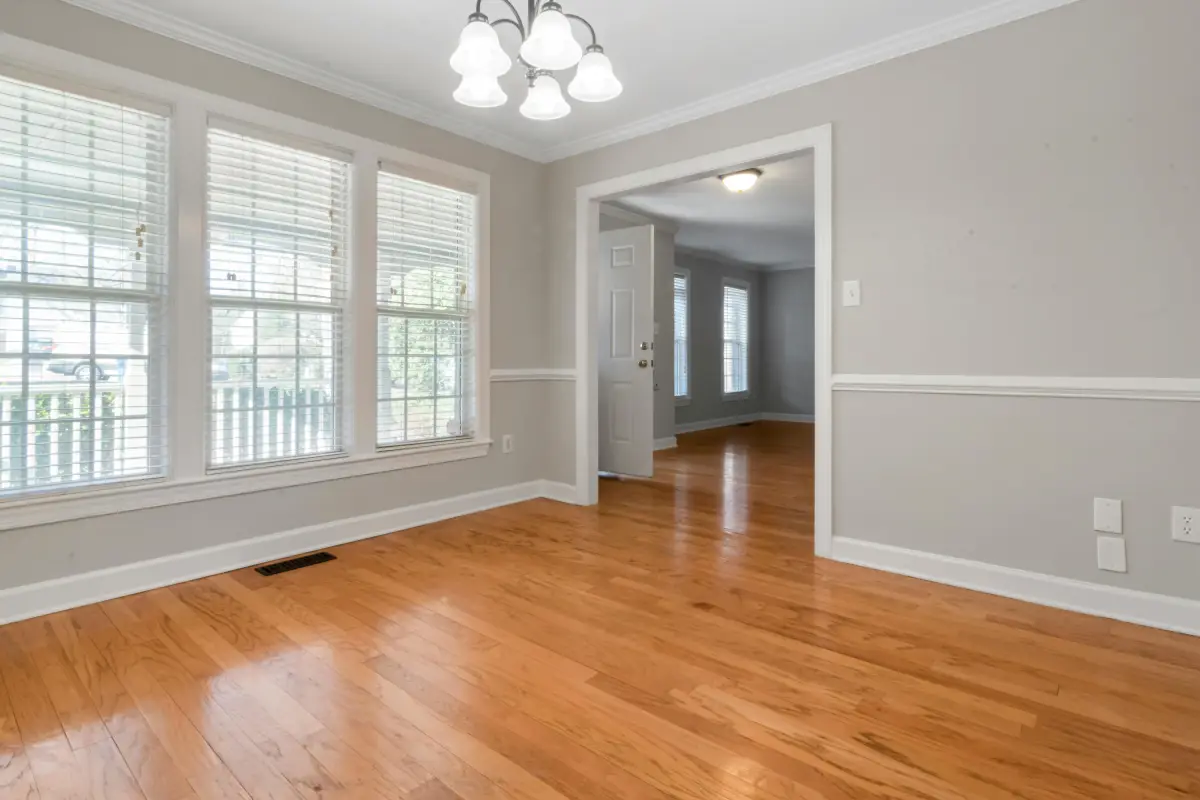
(783, 267)
(998, 13)
(142, 16)
(965, 24)
(1163, 389)
(1141, 608)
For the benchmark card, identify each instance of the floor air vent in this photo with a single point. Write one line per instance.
(295, 563)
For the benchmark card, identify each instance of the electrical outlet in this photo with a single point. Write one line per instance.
(506, 443)
(1185, 524)
(1106, 515)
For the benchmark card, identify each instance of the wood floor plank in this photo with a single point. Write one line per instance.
(677, 641)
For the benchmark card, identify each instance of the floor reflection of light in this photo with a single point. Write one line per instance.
(681, 537)
(733, 491)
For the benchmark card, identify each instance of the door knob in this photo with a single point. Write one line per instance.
(643, 363)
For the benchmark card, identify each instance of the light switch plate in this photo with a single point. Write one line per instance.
(851, 293)
(1107, 516)
(1110, 554)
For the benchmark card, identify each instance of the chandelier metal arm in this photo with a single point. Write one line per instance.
(516, 20)
(516, 23)
(586, 24)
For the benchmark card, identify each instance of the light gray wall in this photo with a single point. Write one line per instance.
(706, 342)
(787, 336)
(518, 329)
(664, 322)
(1017, 202)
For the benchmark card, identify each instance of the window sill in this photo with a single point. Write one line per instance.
(735, 397)
(682, 401)
(153, 493)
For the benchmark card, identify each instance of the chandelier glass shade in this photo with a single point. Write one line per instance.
(479, 52)
(551, 45)
(545, 101)
(548, 45)
(480, 91)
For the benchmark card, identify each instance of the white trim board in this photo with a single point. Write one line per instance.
(1112, 602)
(771, 416)
(729, 422)
(712, 424)
(532, 374)
(46, 597)
(666, 443)
(1165, 389)
(993, 15)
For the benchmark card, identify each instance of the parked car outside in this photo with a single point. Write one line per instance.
(81, 368)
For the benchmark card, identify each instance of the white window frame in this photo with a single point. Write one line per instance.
(686, 398)
(187, 377)
(734, 396)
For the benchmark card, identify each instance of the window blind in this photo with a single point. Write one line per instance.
(277, 232)
(681, 335)
(83, 201)
(426, 305)
(736, 315)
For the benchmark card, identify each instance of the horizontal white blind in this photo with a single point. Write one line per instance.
(277, 232)
(426, 304)
(681, 335)
(83, 201)
(736, 315)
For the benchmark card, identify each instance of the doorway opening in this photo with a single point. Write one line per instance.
(694, 314)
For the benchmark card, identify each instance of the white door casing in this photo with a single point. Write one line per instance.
(625, 359)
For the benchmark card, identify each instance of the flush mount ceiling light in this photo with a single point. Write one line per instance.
(742, 181)
(547, 46)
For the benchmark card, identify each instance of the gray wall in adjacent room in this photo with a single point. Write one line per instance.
(786, 333)
(1018, 202)
(706, 342)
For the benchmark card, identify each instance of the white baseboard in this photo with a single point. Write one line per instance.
(667, 443)
(710, 424)
(771, 416)
(726, 422)
(1127, 605)
(36, 599)
(562, 492)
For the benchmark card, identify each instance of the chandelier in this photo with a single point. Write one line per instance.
(547, 46)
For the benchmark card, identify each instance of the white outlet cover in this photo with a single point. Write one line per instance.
(1107, 516)
(851, 293)
(1110, 554)
(1185, 524)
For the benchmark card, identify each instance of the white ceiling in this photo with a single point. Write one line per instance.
(678, 60)
(770, 226)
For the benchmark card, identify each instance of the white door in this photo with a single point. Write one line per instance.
(626, 358)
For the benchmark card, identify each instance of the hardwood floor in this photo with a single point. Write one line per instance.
(678, 641)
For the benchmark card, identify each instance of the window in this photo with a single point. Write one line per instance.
(82, 290)
(682, 390)
(277, 230)
(735, 306)
(426, 306)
